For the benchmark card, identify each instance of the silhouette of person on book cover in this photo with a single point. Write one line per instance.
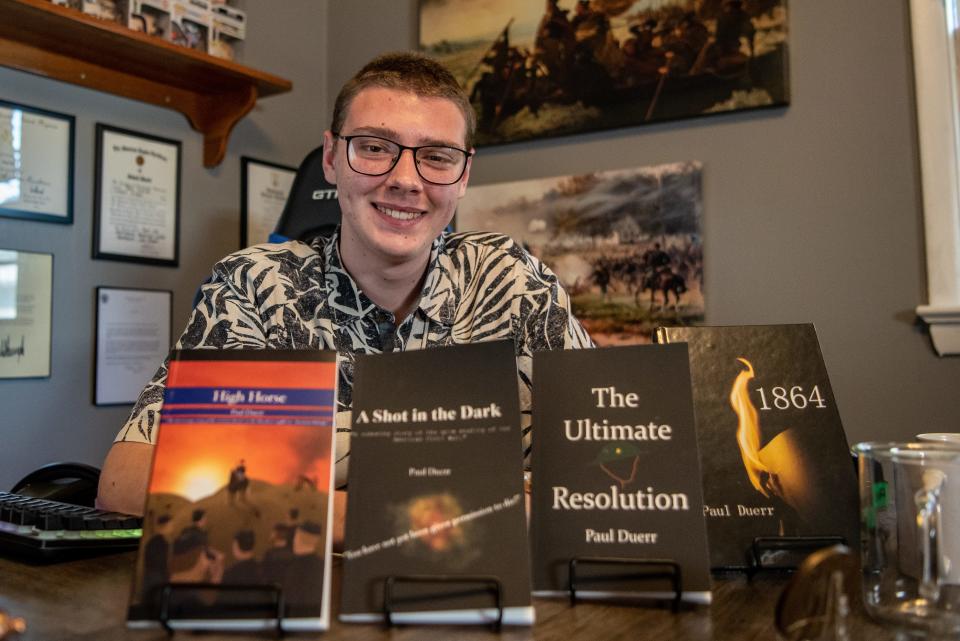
(239, 482)
(305, 570)
(193, 561)
(246, 570)
(156, 559)
(278, 556)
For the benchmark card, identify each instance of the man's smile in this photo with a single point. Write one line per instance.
(403, 214)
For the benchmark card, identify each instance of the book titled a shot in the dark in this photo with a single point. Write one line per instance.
(436, 487)
(240, 494)
(616, 472)
(775, 459)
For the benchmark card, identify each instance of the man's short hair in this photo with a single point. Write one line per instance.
(406, 71)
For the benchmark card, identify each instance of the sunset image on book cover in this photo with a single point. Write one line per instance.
(775, 457)
(239, 498)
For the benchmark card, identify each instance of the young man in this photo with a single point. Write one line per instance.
(399, 150)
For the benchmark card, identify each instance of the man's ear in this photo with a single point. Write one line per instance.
(466, 175)
(329, 153)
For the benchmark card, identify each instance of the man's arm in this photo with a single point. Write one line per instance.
(124, 477)
(212, 324)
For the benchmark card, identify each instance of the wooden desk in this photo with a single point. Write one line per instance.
(87, 599)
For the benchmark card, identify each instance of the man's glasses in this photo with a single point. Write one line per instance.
(374, 156)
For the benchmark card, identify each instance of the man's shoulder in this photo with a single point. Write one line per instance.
(487, 255)
(270, 255)
(484, 245)
(271, 251)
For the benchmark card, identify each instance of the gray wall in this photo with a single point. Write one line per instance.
(54, 419)
(811, 212)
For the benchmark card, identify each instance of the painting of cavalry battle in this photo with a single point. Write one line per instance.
(627, 245)
(537, 68)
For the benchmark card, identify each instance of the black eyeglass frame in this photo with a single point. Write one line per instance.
(414, 150)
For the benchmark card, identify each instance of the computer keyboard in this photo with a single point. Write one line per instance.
(41, 529)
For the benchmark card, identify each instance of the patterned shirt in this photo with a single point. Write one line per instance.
(479, 286)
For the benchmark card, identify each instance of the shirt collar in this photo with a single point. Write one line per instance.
(348, 303)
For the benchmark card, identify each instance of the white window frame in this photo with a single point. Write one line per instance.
(934, 25)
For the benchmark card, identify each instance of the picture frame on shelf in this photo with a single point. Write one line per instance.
(136, 197)
(36, 163)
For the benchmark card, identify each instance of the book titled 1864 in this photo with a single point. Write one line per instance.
(616, 471)
(775, 459)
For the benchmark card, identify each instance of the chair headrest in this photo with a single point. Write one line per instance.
(312, 208)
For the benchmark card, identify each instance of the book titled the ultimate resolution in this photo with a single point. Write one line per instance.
(774, 455)
(436, 488)
(616, 472)
(239, 500)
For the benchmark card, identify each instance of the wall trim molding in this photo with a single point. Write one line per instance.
(934, 28)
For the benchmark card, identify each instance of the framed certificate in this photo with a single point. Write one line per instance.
(264, 188)
(133, 338)
(136, 197)
(26, 306)
(36, 164)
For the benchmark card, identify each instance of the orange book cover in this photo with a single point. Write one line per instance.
(239, 504)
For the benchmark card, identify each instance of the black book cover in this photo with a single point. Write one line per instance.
(616, 471)
(436, 485)
(240, 492)
(775, 458)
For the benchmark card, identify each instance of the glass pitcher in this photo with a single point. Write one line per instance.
(910, 534)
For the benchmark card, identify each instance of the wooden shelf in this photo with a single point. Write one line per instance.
(39, 37)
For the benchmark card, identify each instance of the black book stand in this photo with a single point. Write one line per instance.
(643, 570)
(274, 592)
(767, 544)
(488, 584)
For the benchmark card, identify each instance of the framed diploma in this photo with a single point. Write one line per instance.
(26, 305)
(133, 338)
(264, 188)
(136, 197)
(36, 164)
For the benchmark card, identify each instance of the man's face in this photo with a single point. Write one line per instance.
(392, 219)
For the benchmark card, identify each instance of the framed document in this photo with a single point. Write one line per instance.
(136, 197)
(133, 338)
(36, 164)
(26, 305)
(264, 188)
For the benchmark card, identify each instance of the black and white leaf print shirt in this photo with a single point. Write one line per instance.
(480, 286)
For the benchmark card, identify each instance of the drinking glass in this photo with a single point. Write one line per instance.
(910, 534)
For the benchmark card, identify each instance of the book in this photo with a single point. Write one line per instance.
(240, 493)
(616, 471)
(775, 457)
(435, 487)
